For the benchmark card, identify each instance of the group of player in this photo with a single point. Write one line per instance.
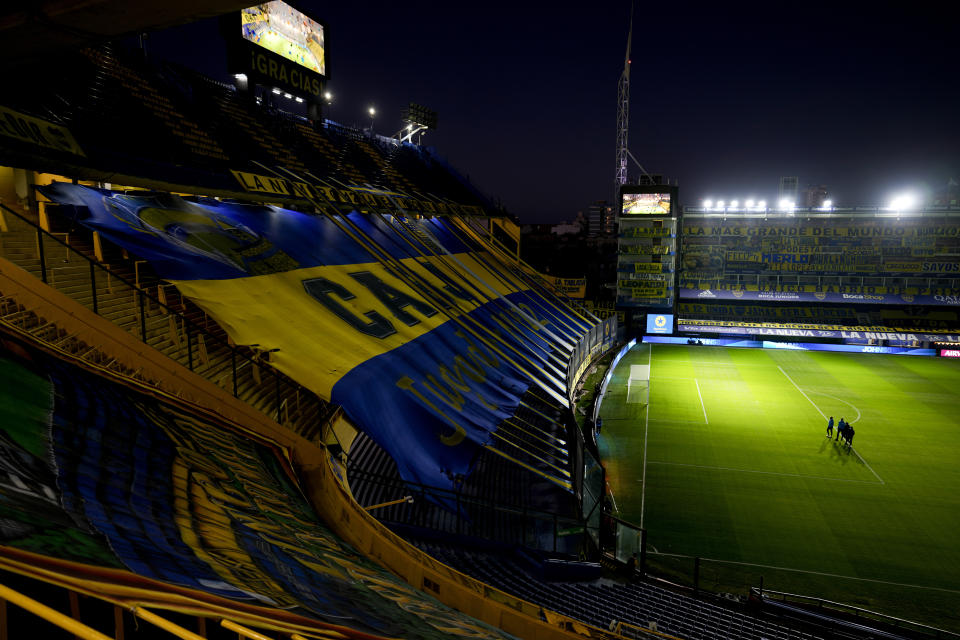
(845, 431)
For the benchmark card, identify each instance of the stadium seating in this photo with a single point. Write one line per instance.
(122, 285)
(174, 125)
(598, 602)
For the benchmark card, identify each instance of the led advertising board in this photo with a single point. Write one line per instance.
(646, 204)
(659, 323)
(950, 353)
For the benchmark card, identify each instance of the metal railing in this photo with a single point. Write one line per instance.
(814, 605)
(143, 315)
(454, 512)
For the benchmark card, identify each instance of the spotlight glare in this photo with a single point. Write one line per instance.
(903, 201)
(707, 203)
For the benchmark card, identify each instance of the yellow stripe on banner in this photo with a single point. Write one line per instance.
(318, 345)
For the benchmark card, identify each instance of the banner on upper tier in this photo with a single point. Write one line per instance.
(570, 287)
(894, 337)
(691, 293)
(429, 355)
(348, 198)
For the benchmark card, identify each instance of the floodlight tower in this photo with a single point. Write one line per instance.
(418, 119)
(623, 116)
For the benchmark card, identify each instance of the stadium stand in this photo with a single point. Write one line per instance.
(232, 402)
(602, 601)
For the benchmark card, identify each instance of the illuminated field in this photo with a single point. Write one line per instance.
(732, 464)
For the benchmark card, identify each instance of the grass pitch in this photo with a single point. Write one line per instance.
(729, 462)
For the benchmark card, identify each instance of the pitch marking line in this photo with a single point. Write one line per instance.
(766, 473)
(646, 426)
(852, 406)
(815, 573)
(825, 417)
(701, 402)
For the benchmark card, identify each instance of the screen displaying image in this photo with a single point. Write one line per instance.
(660, 323)
(640, 203)
(278, 27)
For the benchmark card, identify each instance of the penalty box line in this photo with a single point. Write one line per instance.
(865, 463)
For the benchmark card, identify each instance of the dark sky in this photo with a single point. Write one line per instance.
(864, 101)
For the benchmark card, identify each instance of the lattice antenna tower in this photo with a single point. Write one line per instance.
(623, 116)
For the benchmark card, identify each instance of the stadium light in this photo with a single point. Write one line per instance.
(299, 99)
(827, 205)
(288, 96)
(372, 112)
(734, 204)
(707, 203)
(276, 91)
(328, 97)
(903, 201)
(786, 204)
(242, 77)
(749, 204)
(762, 204)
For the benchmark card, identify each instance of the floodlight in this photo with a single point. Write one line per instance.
(785, 204)
(287, 96)
(372, 111)
(762, 204)
(242, 77)
(276, 91)
(734, 204)
(828, 204)
(707, 204)
(749, 204)
(299, 99)
(328, 96)
(903, 201)
(720, 204)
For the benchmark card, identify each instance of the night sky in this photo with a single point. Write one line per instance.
(724, 101)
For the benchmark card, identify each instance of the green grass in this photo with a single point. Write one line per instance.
(731, 463)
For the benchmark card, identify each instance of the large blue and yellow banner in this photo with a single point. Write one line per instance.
(426, 340)
(108, 483)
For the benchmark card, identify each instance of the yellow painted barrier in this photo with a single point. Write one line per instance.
(52, 616)
(351, 522)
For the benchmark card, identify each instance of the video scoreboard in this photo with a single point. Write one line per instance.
(277, 45)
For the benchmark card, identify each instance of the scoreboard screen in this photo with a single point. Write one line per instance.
(281, 29)
(660, 323)
(646, 203)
